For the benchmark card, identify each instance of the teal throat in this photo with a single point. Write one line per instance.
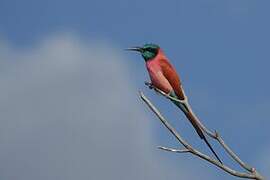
(147, 55)
(149, 51)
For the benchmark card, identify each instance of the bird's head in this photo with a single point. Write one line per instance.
(148, 51)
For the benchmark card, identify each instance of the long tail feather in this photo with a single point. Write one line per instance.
(194, 123)
(210, 147)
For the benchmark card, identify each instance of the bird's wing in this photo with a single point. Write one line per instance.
(174, 80)
(171, 75)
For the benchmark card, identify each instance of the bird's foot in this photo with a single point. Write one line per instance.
(150, 85)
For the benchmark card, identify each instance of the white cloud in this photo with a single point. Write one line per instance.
(68, 111)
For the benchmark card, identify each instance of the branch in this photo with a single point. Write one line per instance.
(215, 135)
(173, 150)
(190, 149)
(185, 101)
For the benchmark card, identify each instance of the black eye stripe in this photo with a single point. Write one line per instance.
(150, 49)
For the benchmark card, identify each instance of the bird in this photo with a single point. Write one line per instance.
(164, 76)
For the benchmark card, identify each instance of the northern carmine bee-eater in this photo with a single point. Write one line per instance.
(164, 77)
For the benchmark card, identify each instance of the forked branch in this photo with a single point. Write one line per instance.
(252, 172)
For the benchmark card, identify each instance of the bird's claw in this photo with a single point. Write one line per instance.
(216, 134)
(150, 85)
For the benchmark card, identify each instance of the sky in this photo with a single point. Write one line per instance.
(69, 102)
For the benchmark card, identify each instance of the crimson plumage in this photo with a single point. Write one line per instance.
(164, 77)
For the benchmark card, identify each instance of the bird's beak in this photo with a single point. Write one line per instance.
(138, 49)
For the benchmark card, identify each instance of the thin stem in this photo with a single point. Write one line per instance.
(189, 148)
(211, 134)
(173, 150)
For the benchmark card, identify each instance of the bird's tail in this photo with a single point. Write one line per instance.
(194, 123)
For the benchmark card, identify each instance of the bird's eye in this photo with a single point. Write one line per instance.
(149, 49)
(146, 49)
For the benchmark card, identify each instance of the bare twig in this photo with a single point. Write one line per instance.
(173, 150)
(163, 93)
(189, 149)
(215, 135)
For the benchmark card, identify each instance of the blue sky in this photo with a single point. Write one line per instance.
(220, 49)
